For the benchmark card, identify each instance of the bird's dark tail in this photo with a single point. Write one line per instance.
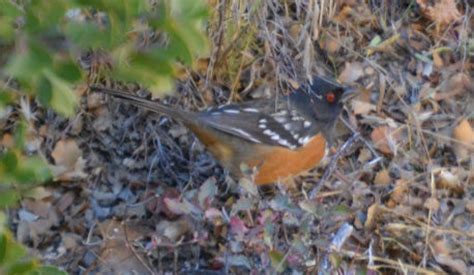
(143, 103)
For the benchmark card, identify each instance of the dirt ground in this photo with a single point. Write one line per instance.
(138, 192)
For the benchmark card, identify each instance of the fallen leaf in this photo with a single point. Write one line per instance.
(456, 264)
(450, 181)
(470, 206)
(117, 254)
(38, 193)
(443, 13)
(431, 204)
(382, 177)
(207, 191)
(398, 194)
(457, 84)
(362, 106)
(65, 201)
(174, 230)
(7, 141)
(237, 226)
(372, 213)
(68, 159)
(94, 100)
(66, 153)
(464, 134)
(179, 207)
(351, 73)
(385, 139)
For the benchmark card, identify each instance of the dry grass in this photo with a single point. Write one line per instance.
(403, 183)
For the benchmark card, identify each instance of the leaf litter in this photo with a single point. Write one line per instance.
(139, 193)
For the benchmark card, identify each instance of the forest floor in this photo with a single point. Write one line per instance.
(135, 192)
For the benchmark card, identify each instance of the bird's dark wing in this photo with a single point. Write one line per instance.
(276, 125)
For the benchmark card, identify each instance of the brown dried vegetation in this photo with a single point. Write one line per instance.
(138, 192)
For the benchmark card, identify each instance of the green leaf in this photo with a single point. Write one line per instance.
(19, 134)
(44, 91)
(46, 270)
(3, 247)
(5, 98)
(9, 197)
(64, 100)
(22, 267)
(88, 35)
(68, 70)
(8, 13)
(375, 41)
(14, 251)
(35, 167)
(8, 161)
(278, 260)
(42, 16)
(27, 65)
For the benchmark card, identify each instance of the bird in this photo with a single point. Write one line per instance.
(277, 137)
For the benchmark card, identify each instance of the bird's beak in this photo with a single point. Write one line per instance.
(349, 93)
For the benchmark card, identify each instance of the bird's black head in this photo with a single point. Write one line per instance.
(322, 98)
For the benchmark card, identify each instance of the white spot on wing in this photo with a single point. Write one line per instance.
(303, 140)
(245, 134)
(306, 124)
(262, 126)
(251, 110)
(263, 121)
(231, 111)
(280, 119)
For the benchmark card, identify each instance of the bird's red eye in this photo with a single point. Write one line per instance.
(330, 97)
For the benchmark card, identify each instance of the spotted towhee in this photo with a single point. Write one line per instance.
(280, 137)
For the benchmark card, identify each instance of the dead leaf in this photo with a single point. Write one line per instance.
(431, 204)
(443, 13)
(117, 254)
(385, 139)
(351, 73)
(464, 134)
(295, 31)
(372, 213)
(174, 230)
(398, 194)
(362, 108)
(65, 201)
(470, 206)
(330, 44)
(361, 105)
(207, 191)
(456, 264)
(437, 60)
(237, 226)
(450, 181)
(94, 100)
(382, 177)
(214, 215)
(38, 193)
(7, 141)
(68, 159)
(66, 152)
(364, 155)
(179, 207)
(457, 84)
